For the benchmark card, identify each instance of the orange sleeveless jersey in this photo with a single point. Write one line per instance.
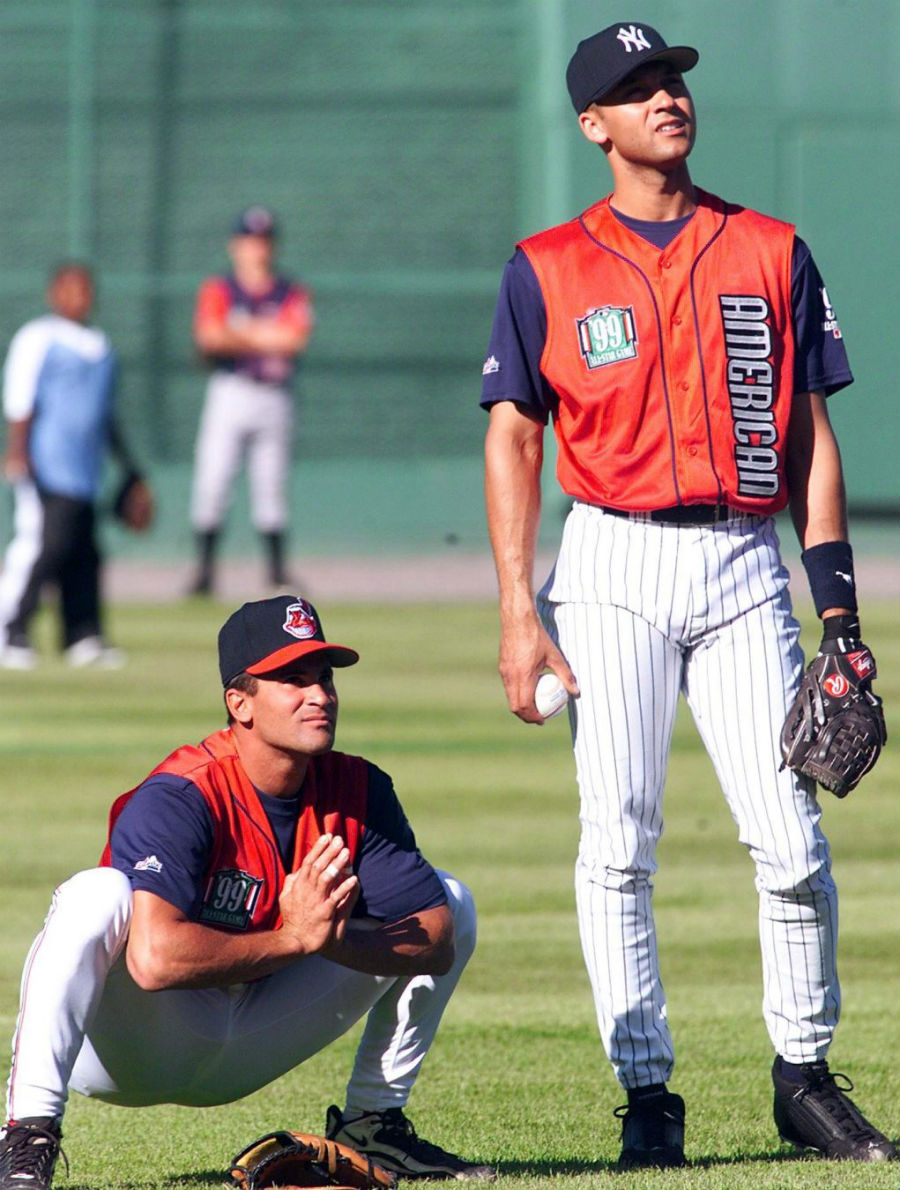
(673, 368)
(245, 873)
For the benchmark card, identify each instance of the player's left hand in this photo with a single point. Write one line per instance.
(316, 901)
(835, 729)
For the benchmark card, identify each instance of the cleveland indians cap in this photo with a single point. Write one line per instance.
(269, 634)
(255, 221)
(602, 61)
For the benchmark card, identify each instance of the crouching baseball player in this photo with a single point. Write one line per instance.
(259, 893)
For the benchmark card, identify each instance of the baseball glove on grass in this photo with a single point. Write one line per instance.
(303, 1159)
(835, 728)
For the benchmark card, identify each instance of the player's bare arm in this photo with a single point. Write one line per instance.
(818, 501)
(421, 944)
(513, 460)
(253, 335)
(15, 457)
(168, 950)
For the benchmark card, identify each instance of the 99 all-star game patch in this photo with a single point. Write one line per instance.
(607, 335)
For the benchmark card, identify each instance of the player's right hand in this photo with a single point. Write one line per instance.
(317, 900)
(526, 650)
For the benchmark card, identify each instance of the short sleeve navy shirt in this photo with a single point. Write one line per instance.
(512, 369)
(163, 838)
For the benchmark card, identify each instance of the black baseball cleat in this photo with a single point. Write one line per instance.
(389, 1138)
(652, 1131)
(815, 1113)
(29, 1150)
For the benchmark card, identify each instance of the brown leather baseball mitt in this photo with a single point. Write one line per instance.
(290, 1159)
(133, 503)
(835, 729)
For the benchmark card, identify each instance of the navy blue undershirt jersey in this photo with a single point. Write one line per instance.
(167, 818)
(520, 328)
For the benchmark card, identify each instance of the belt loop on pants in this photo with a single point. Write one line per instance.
(680, 514)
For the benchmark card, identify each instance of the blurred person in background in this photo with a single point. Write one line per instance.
(58, 392)
(251, 326)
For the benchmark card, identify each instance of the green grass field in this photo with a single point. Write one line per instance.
(517, 1075)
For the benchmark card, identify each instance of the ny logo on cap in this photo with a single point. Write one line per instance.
(633, 37)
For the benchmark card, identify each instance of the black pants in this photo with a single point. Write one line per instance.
(68, 557)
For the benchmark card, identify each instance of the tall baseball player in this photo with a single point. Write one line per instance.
(258, 895)
(251, 326)
(684, 348)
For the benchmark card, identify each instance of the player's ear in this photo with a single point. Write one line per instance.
(593, 127)
(239, 705)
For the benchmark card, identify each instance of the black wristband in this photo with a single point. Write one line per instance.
(829, 568)
(841, 628)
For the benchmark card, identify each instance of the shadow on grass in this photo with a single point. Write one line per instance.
(537, 1169)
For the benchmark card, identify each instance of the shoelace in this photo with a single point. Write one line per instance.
(33, 1152)
(833, 1097)
(396, 1121)
(656, 1119)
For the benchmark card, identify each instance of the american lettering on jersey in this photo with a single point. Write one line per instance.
(747, 323)
(229, 899)
(607, 335)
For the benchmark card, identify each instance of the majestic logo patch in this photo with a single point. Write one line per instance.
(836, 685)
(607, 335)
(300, 620)
(230, 899)
(831, 322)
(149, 864)
(633, 38)
(491, 364)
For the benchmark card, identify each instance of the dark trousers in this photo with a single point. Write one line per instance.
(69, 557)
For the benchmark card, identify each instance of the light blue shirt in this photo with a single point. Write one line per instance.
(62, 375)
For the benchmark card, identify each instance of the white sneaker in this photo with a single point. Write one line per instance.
(18, 657)
(91, 652)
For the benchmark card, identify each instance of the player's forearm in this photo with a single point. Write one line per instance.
(252, 337)
(15, 457)
(210, 958)
(513, 460)
(815, 476)
(421, 944)
(189, 955)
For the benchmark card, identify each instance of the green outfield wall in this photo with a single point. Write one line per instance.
(406, 145)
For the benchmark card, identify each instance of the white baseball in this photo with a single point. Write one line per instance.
(550, 695)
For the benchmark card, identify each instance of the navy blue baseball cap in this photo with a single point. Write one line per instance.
(601, 62)
(267, 635)
(255, 221)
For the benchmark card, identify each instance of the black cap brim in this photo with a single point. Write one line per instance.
(682, 57)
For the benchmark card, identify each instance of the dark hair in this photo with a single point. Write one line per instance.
(248, 683)
(62, 267)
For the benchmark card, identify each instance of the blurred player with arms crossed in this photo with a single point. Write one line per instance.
(252, 326)
(684, 348)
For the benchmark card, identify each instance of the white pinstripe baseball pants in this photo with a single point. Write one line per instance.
(644, 611)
